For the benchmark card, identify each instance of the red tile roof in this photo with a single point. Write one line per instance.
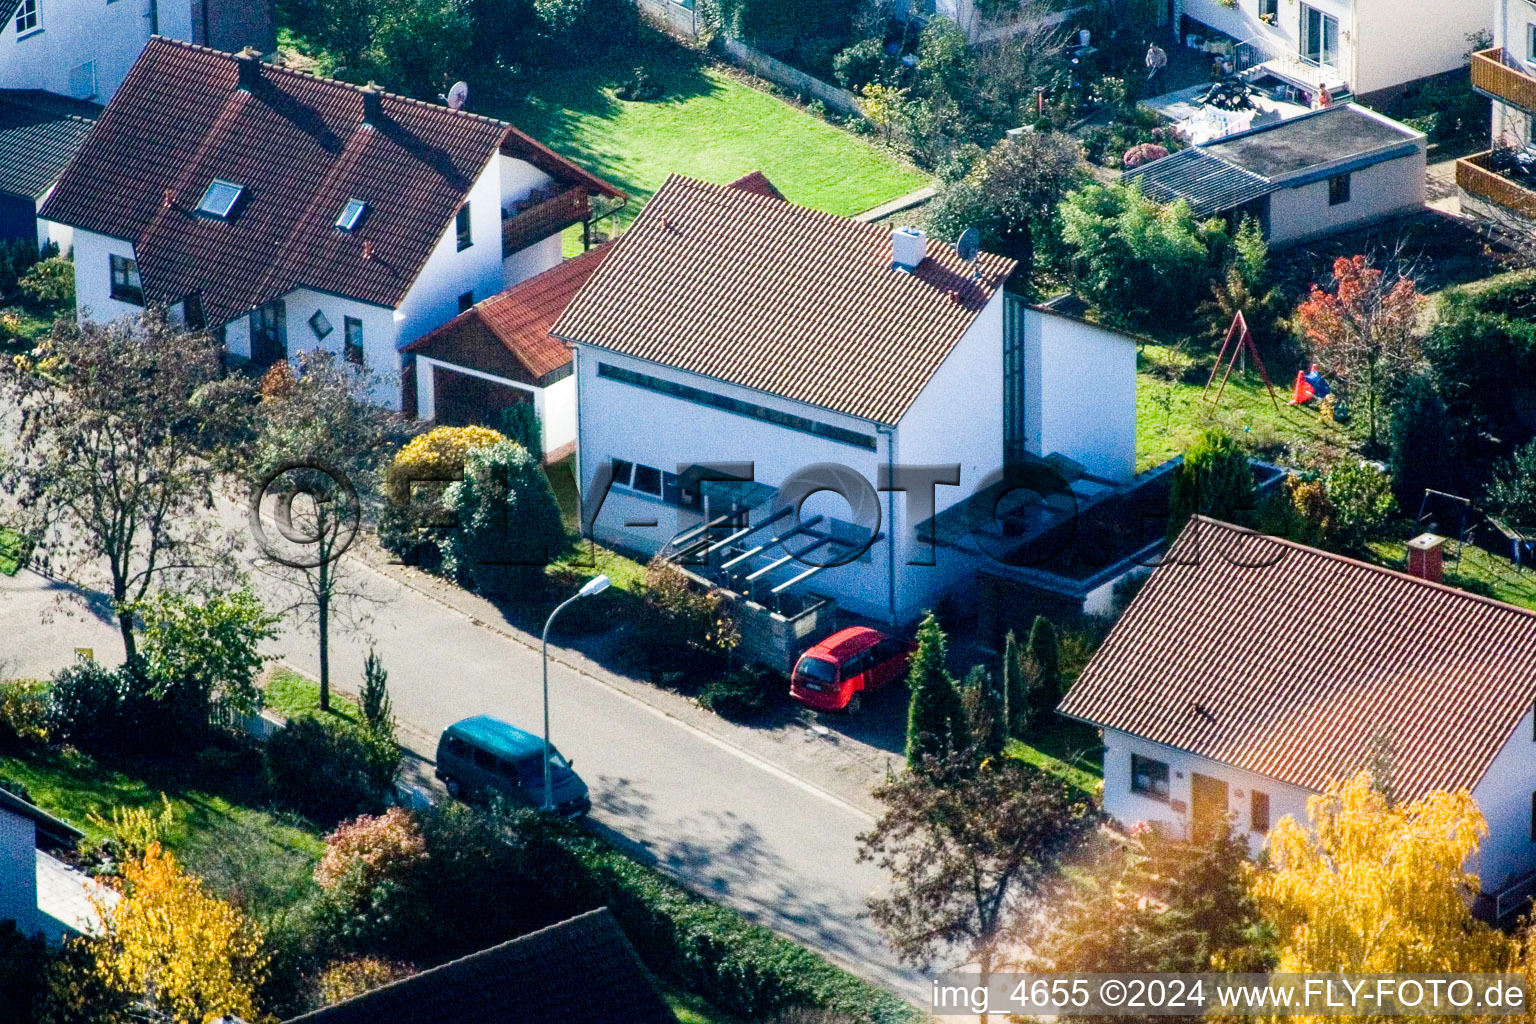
(299, 146)
(1290, 662)
(519, 318)
(757, 183)
(731, 284)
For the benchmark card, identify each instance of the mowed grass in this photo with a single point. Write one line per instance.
(709, 125)
(1067, 749)
(297, 696)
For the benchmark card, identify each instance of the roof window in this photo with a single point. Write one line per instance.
(351, 214)
(220, 199)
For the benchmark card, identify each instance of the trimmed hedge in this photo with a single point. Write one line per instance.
(742, 968)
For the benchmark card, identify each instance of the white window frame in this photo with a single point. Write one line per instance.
(29, 18)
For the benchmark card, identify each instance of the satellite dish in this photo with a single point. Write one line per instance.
(969, 244)
(457, 95)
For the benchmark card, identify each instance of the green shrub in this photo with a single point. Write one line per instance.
(744, 693)
(1214, 480)
(331, 769)
(23, 964)
(1360, 496)
(681, 628)
(102, 710)
(860, 64)
(23, 712)
(507, 523)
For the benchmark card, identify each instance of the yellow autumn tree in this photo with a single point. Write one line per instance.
(1374, 886)
(168, 941)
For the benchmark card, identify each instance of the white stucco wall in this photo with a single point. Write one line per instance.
(531, 260)
(1504, 794)
(557, 413)
(1398, 42)
(93, 276)
(1381, 190)
(74, 32)
(555, 405)
(380, 357)
(433, 299)
(1512, 21)
(1128, 808)
(18, 871)
(1080, 393)
(518, 178)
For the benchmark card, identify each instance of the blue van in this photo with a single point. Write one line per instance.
(483, 756)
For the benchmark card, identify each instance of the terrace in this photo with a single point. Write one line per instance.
(1500, 77)
(1499, 180)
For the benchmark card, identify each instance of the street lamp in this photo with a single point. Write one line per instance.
(595, 585)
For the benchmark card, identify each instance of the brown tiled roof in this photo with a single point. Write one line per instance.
(517, 319)
(757, 183)
(575, 972)
(769, 295)
(1294, 667)
(299, 146)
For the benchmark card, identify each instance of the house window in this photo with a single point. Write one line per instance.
(1269, 10)
(220, 199)
(648, 480)
(352, 328)
(1149, 777)
(1338, 189)
(126, 286)
(351, 214)
(320, 325)
(1530, 42)
(1258, 811)
(27, 17)
(192, 312)
(622, 471)
(269, 333)
(466, 300)
(461, 228)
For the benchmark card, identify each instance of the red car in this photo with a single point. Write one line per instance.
(836, 673)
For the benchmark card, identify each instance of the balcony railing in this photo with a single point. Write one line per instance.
(544, 218)
(1475, 176)
(1496, 76)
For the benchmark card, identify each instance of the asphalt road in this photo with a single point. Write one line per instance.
(721, 817)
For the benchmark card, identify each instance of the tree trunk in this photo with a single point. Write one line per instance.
(323, 622)
(124, 621)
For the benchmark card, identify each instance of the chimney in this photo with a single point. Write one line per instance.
(907, 247)
(248, 61)
(1425, 557)
(373, 104)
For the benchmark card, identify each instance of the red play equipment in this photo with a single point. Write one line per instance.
(1238, 333)
(1309, 385)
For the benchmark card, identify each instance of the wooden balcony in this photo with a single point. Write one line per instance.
(1474, 177)
(1499, 79)
(544, 217)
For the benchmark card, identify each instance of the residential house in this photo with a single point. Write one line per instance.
(83, 48)
(740, 360)
(499, 353)
(1249, 672)
(1366, 47)
(39, 135)
(36, 891)
(291, 212)
(1322, 172)
(574, 972)
(1498, 186)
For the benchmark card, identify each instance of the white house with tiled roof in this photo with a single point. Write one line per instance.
(362, 221)
(781, 394)
(1250, 672)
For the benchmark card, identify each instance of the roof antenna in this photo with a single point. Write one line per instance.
(968, 248)
(458, 95)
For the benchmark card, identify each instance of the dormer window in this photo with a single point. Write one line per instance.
(27, 18)
(351, 214)
(220, 199)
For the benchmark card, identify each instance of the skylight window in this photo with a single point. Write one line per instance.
(220, 199)
(351, 214)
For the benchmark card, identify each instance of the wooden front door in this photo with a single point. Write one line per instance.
(1208, 807)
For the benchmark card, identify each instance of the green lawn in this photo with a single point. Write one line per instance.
(690, 1009)
(1067, 749)
(297, 696)
(709, 125)
(1170, 413)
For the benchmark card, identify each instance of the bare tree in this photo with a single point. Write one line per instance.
(111, 470)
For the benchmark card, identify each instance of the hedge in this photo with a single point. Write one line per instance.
(713, 951)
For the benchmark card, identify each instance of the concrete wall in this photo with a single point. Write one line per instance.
(791, 78)
(434, 297)
(93, 276)
(1080, 393)
(18, 871)
(1381, 190)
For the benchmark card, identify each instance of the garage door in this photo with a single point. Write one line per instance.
(462, 400)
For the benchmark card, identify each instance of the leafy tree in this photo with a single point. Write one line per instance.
(1420, 443)
(1042, 650)
(860, 64)
(174, 947)
(1361, 502)
(1375, 887)
(110, 464)
(331, 769)
(1365, 330)
(520, 423)
(681, 625)
(1010, 193)
(1135, 260)
(1214, 480)
(968, 850)
(508, 525)
(1512, 491)
(1153, 904)
(198, 649)
(776, 24)
(23, 962)
(936, 727)
(377, 712)
(1245, 288)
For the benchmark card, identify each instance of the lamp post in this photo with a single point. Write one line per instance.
(596, 585)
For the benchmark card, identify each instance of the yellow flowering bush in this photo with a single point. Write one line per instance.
(438, 454)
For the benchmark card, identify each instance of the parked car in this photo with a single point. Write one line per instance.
(836, 673)
(483, 756)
